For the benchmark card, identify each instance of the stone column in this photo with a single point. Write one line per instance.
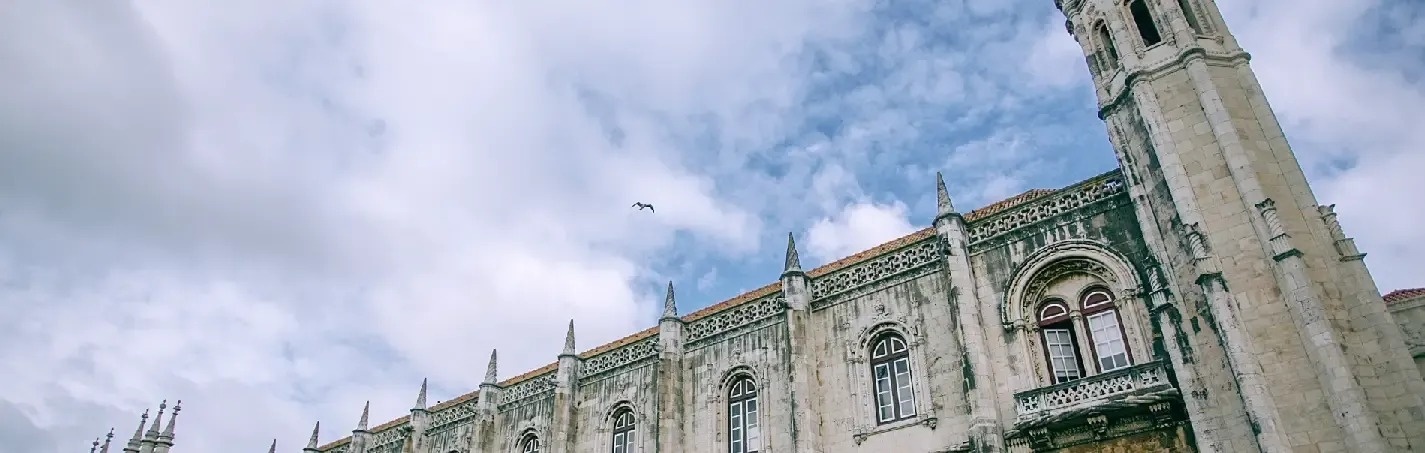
(482, 427)
(805, 405)
(564, 428)
(668, 428)
(420, 422)
(986, 433)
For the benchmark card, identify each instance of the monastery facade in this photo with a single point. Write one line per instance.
(1197, 298)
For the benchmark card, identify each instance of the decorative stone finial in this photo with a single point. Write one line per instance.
(569, 340)
(152, 433)
(670, 305)
(94, 448)
(108, 438)
(421, 397)
(490, 369)
(365, 415)
(172, 419)
(943, 206)
(138, 433)
(312, 443)
(794, 260)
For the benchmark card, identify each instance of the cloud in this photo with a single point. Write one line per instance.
(279, 210)
(857, 227)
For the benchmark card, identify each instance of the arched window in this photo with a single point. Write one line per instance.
(1105, 42)
(890, 369)
(744, 434)
(529, 444)
(1143, 18)
(1105, 329)
(1060, 347)
(1192, 19)
(623, 431)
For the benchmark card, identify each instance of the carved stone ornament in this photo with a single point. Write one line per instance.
(620, 357)
(1066, 201)
(529, 388)
(737, 317)
(1058, 260)
(914, 256)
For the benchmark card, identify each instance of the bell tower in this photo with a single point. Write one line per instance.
(1291, 346)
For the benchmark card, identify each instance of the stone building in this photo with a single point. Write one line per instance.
(1407, 306)
(1197, 298)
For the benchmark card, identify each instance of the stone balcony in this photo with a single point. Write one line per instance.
(1131, 400)
(1133, 386)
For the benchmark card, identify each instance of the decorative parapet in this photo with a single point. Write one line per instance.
(619, 357)
(736, 317)
(528, 388)
(1070, 199)
(446, 418)
(392, 436)
(926, 251)
(1094, 392)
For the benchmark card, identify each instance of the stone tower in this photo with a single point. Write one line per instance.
(1282, 340)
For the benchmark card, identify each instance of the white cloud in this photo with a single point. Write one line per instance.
(857, 227)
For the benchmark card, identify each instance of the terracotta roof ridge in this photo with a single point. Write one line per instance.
(1403, 294)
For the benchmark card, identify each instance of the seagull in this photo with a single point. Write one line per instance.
(640, 205)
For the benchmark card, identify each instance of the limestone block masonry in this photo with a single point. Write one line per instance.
(1197, 298)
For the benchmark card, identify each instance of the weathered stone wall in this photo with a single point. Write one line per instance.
(1410, 316)
(842, 337)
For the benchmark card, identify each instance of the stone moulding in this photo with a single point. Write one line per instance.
(1070, 199)
(620, 357)
(735, 318)
(925, 252)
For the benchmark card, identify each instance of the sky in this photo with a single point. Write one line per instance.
(278, 210)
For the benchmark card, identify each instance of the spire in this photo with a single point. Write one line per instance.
(794, 260)
(95, 447)
(365, 414)
(670, 306)
(273, 448)
(421, 397)
(490, 370)
(312, 443)
(943, 206)
(138, 433)
(108, 438)
(172, 419)
(152, 433)
(569, 340)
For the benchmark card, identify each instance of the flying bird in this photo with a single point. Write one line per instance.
(640, 205)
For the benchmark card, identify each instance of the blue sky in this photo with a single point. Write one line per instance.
(278, 210)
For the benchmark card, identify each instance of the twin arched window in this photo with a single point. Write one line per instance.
(744, 434)
(890, 373)
(623, 431)
(1104, 330)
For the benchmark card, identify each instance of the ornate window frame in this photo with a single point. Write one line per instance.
(1087, 312)
(1110, 59)
(1151, 13)
(1029, 282)
(724, 404)
(522, 441)
(610, 428)
(1045, 320)
(863, 387)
